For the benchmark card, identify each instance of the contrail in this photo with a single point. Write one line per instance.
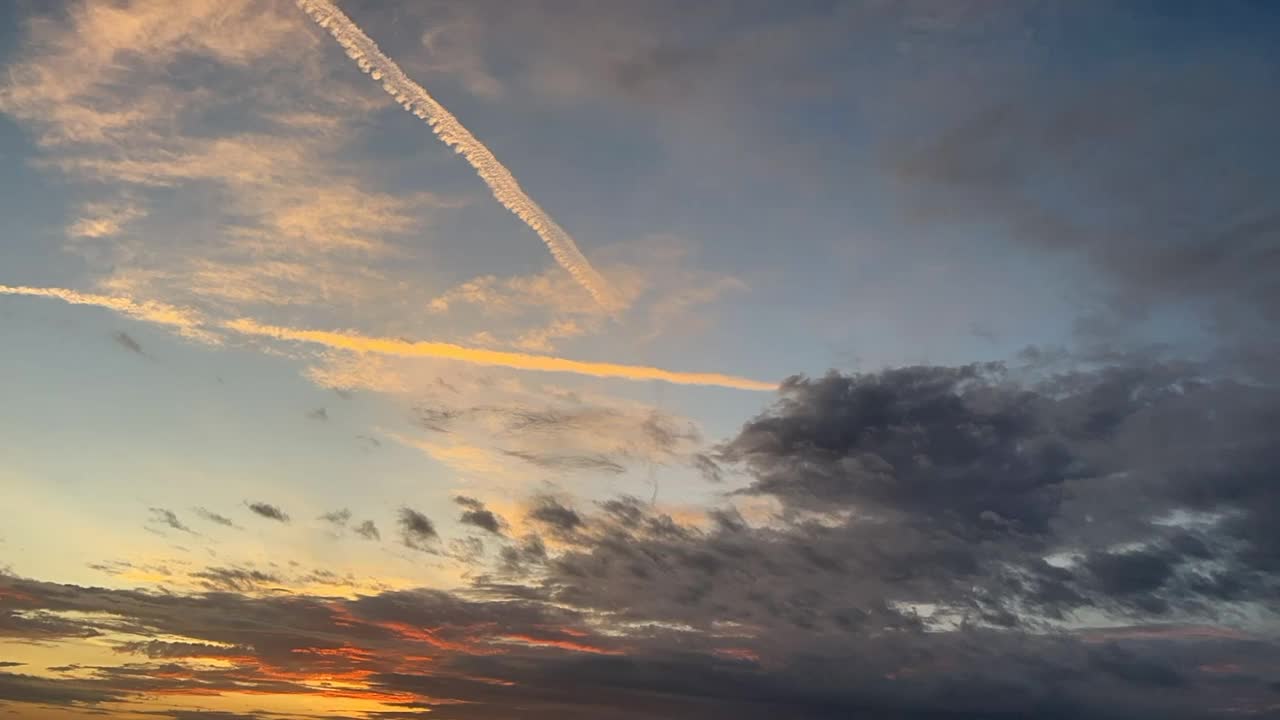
(187, 322)
(520, 361)
(191, 324)
(503, 185)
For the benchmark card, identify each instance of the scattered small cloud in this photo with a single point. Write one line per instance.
(126, 341)
(271, 512)
(476, 514)
(169, 518)
(337, 517)
(214, 517)
(416, 529)
(368, 530)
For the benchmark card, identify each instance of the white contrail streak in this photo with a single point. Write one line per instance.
(415, 99)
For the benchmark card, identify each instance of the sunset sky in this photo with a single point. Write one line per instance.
(609, 360)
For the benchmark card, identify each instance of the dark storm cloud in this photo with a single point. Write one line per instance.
(214, 517)
(950, 486)
(947, 443)
(475, 513)
(943, 532)
(126, 341)
(416, 530)
(271, 512)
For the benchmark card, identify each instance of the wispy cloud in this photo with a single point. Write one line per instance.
(416, 529)
(185, 321)
(190, 323)
(520, 361)
(271, 512)
(501, 182)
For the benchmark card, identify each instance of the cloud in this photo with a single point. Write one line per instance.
(214, 517)
(451, 132)
(559, 518)
(368, 530)
(170, 519)
(416, 530)
(126, 341)
(319, 414)
(337, 517)
(475, 513)
(185, 321)
(234, 579)
(1153, 240)
(586, 463)
(520, 361)
(271, 512)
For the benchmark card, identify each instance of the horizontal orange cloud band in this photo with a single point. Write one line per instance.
(189, 323)
(519, 361)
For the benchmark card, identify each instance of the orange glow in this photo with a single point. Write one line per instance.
(519, 361)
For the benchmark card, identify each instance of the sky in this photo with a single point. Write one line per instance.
(597, 359)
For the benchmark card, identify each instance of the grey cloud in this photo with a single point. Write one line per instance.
(170, 519)
(707, 467)
(126, 341)
(337, 517)
(946, 442)
(368, 530)
(416, 529)
(437, 419)
(521, 558)
(598, 463)
(557, 516)
(271, 512)
(319, 414)
(1154, 232)
(214, 517)
(234, 579)
(30, 689)
(951, 487)
(475, 513)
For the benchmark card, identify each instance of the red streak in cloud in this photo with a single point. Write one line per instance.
(429, 636)
(16, 595)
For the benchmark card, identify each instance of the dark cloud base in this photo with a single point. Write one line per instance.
(950, 543)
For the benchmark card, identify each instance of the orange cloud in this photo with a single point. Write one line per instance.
(187, 322)
(520, 361)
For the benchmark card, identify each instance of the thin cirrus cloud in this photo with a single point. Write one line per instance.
(188, 323)
(415, 99)
(519, 361)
